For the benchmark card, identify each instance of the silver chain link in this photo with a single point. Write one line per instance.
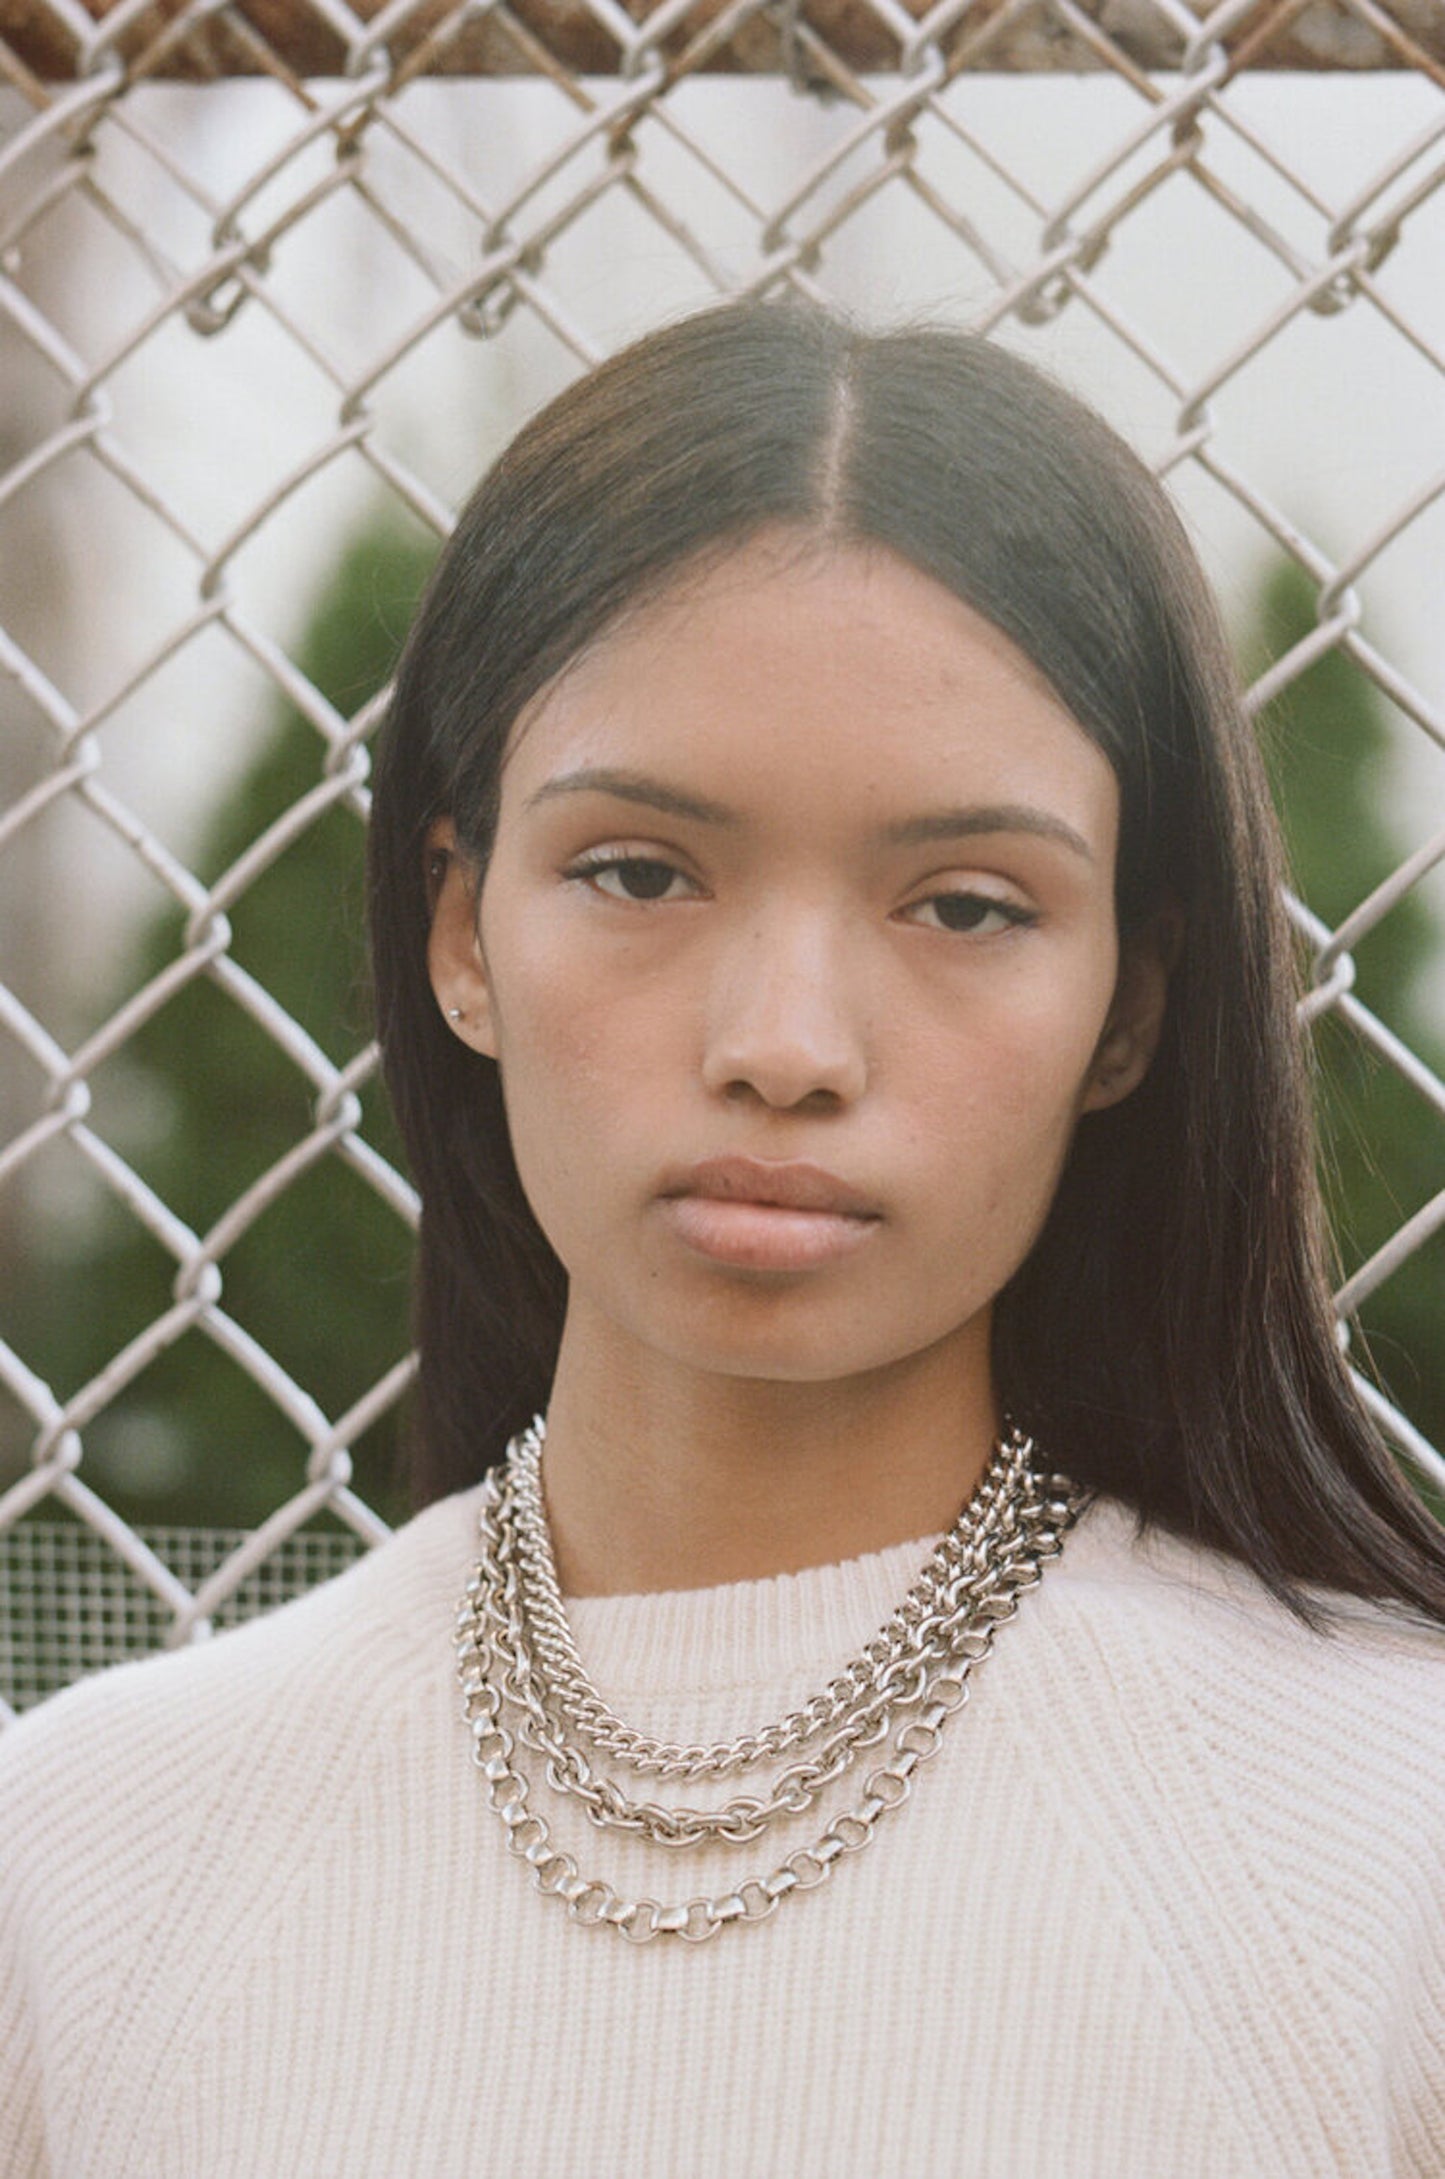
(495, 1663)
(883, 1667)
(899, 1676)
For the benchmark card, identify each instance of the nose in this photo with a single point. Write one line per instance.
(784, 1022)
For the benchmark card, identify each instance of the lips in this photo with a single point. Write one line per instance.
(758, 1215)
(794, 1186)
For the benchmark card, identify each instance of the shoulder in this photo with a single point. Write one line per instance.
(1236, 1769)
(1260, 1803)
(1150, 1569)
(1190, 1650)
(161, 1744)
(1123, 1572)
(162, 1820)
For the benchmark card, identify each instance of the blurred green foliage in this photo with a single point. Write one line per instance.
(202, 1102)
(1329, 748)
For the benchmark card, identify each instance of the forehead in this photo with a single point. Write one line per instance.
(794, 674)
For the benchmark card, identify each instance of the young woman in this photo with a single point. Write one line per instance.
(955, 1619)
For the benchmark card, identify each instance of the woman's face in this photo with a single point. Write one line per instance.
(797, 952)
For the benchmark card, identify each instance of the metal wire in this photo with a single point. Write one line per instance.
(69, 1605)
(126, 237)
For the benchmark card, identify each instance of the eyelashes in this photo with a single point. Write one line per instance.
(979, 914)
(643, 880)
(638, 877)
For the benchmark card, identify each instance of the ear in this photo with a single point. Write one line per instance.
(455, 964)
(1130, 1037)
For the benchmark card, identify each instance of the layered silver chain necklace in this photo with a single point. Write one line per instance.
(524, 1686)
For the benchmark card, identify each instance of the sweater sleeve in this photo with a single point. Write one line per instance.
(22, 2148)
(1419, 2112)
(22, 2143)
(130, 1804)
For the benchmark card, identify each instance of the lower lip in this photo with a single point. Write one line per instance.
(764, 1236)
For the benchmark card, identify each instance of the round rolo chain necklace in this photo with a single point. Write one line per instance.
(524, 1686)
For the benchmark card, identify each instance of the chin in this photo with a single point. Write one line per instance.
(782, 1352)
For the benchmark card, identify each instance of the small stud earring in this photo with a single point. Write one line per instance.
(454, 1013)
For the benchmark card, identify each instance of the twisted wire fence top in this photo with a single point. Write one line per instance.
(270, 274)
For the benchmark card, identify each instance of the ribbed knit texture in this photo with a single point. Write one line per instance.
(1170, 1902)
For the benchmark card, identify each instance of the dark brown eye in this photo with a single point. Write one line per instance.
(627, 877)
(969, 912)
(644, 880)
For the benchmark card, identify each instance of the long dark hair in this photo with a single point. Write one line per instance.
(1169, 1338)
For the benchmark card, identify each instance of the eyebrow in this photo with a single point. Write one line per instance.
(968, 823)
(654, 794)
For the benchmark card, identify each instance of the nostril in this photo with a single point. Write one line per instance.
(786, 1030)
(779, 1096)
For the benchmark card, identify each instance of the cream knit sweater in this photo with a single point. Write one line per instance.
(1170, 1901)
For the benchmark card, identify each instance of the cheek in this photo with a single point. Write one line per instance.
(1023, 1058)
(546, 1021)
(578, 1069)
(572, 1048)
(997, 1111)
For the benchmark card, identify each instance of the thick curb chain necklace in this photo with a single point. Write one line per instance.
(524, 1683)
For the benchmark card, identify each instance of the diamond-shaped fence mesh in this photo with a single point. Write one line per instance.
(275, 279)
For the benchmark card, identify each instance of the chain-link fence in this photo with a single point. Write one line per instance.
(274, 277)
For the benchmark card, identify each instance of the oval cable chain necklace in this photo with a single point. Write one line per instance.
(516, 1655)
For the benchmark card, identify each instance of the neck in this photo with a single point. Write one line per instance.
(666, 1478)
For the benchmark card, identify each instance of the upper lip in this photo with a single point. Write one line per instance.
(794, 1185)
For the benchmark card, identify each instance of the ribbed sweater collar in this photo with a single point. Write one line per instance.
(746, 1633)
